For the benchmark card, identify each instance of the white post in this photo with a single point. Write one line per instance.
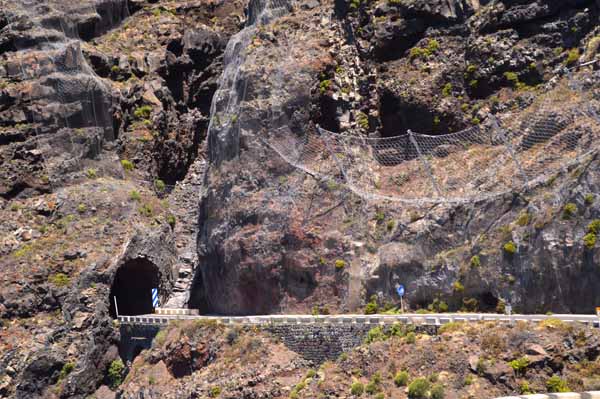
(116, 307)
(402, 304)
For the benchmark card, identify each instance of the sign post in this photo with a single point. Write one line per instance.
(116, 307)
(400, 291)
(509, 312)
(598, 314)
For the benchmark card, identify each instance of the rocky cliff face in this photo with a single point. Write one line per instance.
(382, 68)
(136, 151)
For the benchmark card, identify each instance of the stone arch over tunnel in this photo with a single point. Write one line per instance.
(132, 287)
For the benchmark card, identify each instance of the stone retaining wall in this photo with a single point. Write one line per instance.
(320, 342)
(135, 338)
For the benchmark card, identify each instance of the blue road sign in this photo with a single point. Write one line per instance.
(155, 297)
(400, 290)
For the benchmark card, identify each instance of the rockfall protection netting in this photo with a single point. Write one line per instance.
(69, 106)
(527, 147)
(268, 95)
(231, 91)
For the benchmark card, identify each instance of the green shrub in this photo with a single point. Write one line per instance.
(135, 196)
(569, 211)
(401, 378)
(340, 264)
(59, 280)
(142, 112)
(374, 384)
(469, 379)
(433, 46)
(418, 388)
(450, 327)
(457, 287)
(363, 120)
(437, 392)
(556, 384)
(371, 388)
(146, 210)
(380, 216)
(171, 220)
(91, 173)
(470, 304)
(115, 373)
(594, 226)
(127, 165)
(510, 248)
(411, 338)
(447, 90)
(524, 219)
(438, 306)
(519, 365)
(589, 240)
(81, 208)
(572, 56)
(512, 77)
(372, 307)
(311, 373)
(588, 199)
(390, 225)
(214, 392)
(475, 261)
(416, 52)
(159, 185)
(357, 388)
(66, 370)
(396, 330)
(324, 86)
(524, 388)
(375, 334)
(380, 395)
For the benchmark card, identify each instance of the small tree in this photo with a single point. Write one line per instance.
(115, 373)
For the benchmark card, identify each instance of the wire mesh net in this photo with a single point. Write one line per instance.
(232, 88)
(69, 107)
(525, 148)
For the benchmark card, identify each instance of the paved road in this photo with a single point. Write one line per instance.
(164, 315)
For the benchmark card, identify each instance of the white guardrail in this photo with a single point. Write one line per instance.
(163, 316)
(563, 395)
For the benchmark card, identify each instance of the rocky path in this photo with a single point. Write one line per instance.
(186, 199)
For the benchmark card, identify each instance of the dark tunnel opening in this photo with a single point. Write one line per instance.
(132, 288)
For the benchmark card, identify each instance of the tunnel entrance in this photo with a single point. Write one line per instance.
(132, 287)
